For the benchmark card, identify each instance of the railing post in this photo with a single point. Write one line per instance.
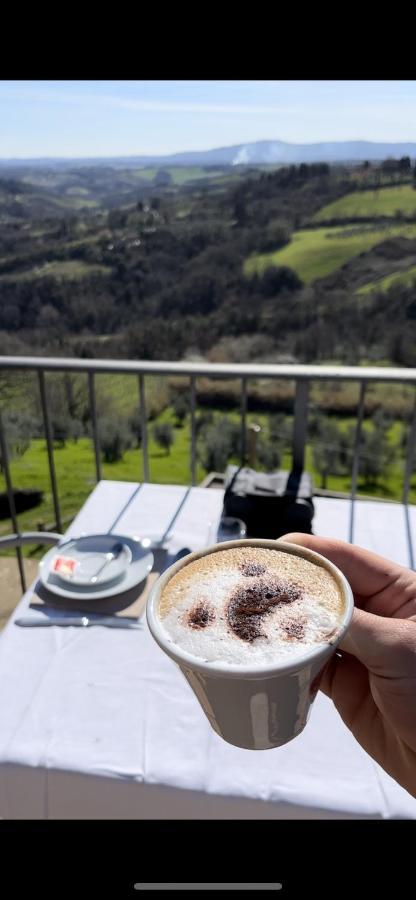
(93, 410)
(143, 415)
(49, 445)
(243, 419)
(10, 497)
(356, 459)
(193, 432)
(300, 425)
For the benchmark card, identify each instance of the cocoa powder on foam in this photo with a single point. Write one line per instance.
(232, 603)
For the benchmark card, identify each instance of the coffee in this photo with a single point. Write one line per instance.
(250, 605)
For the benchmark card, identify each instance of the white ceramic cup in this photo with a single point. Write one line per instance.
(254, 707)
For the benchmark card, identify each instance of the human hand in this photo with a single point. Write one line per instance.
(372, 677)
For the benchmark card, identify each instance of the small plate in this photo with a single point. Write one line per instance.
(122, 578)
(86, 561)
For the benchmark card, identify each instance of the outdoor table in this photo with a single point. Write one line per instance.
(100, 723)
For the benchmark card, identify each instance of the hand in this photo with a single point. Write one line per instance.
(372, 680)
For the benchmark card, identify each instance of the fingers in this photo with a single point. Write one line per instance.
(386, 586)
(386, 647)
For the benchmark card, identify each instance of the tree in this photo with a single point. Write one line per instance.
(114, 438)
(390, 167)
(280, 430)
(180, 406)
(163, 178)
(326, 448)
(163, 435)
(382, 420)
(116, 218)
(61, 429)
(76, 395)
(219, 441)
(203, 421)
(405, 165)
(135, 425)
(376, 454)
(18, 428)
(240, 208)
(278, 278)
(268, 453)
(215, 451)
(76, 430)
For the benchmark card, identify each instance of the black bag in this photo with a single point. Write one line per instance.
(269, 504)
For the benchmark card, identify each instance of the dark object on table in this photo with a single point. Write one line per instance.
(270, 504)
(23, 500)
(231, 529)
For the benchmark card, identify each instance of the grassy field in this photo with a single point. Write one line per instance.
(407, 277)
(371, 204)
(69, 202)
(71, 269)
(316, 253)
(179, 174)
(75, 472)
(77, 192)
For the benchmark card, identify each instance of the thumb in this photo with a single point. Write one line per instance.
(384, 646)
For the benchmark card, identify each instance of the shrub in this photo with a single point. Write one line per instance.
(114, 438)
(163, 435)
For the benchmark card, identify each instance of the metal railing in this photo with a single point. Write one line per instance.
(302, 375)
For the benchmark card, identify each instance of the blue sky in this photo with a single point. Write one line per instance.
(108, 118)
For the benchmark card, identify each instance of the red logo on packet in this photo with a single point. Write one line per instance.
(64, 565)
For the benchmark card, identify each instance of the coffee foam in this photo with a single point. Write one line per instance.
(251, 606)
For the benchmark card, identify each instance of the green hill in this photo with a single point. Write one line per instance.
(315, 253)
(71, 269)
(371, 204)
(178, 174)
(384, 284)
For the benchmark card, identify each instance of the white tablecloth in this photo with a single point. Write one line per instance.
(100, 723)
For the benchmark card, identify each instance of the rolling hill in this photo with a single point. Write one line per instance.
(372, 204)
(252, 153)
(316, 253)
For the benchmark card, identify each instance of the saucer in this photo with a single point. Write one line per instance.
(70, 577)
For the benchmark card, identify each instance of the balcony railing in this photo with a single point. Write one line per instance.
(302, 375)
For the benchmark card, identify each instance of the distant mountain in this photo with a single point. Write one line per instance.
(259, 152)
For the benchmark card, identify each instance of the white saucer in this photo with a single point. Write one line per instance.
(122, 579)
(87, 562)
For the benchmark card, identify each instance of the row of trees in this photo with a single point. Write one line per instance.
(219, 440)
(333, 448)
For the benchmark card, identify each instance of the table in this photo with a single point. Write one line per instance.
(100, 723)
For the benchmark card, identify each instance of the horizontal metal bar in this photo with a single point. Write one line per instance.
(212, 370)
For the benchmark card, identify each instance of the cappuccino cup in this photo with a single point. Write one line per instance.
(252, 624)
